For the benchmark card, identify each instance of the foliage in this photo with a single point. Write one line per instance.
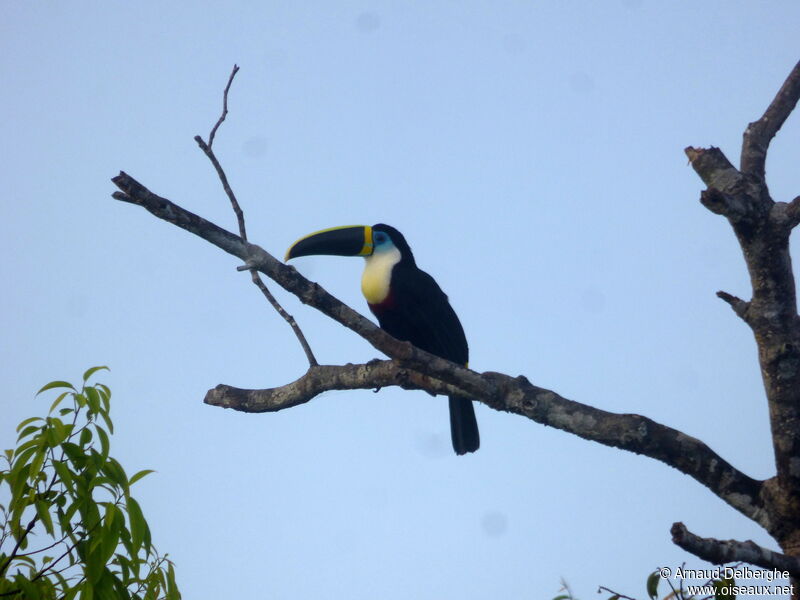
(715, 589)
(69, 527)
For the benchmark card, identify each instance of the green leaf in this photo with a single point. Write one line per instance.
(172, 587)
(104, 443)
(22, 449)
(93, 400)
(105, 390)
(71, 510)
(92, 371)
(137, 476)
(29, 589)
(75, 454)
(147, 542)
(86, 437)
(56, 384)
(125, 539)
(151, 591)
(722, 589)
(43, 510)
(25, 559)
(26, 422)
(109, 534)
(56, 432)
(21, 490)
(27, 431)
(87, 591)
(116, 473)
(94, 563)
(138, 524)
(36, 465)
(57, 401)
(73, 591)
(652, 584)
(107, 420)
(120, 591)
(62, 582)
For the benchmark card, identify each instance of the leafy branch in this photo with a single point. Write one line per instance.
(66, 488)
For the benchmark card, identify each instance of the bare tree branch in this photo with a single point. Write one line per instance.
(738, 305)
(224, 106)
(319, 379)
(789, 212)
(713, 167)
(759, 134)
(729, 193)
(720, 552)
(516, 395)
(307, 291)
(762, 228)
(237, 209)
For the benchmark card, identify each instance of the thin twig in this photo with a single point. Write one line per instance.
(312, 361)
(206, 148)
(53, 545)
(17, 546)
(237, 209)
(603, 588)
(676, 593)
(224, 106)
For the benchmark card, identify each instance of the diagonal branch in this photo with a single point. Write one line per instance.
(293, 282)
(759, 134)
(516, 395)
(633, 433)
(720, 552)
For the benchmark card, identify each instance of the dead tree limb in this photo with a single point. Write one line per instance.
(720, 552)
(762, 227)
(516, 395)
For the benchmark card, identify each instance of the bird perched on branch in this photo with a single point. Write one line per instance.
(408, 303)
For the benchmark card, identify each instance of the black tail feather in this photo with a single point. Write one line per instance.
(463, 425)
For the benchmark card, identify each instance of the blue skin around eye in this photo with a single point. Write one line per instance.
(382, 241)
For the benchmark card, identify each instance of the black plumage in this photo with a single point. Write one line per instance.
(418, 311)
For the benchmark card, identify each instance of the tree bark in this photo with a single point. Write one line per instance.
(762, 227)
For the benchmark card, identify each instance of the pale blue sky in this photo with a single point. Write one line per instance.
(531, 152)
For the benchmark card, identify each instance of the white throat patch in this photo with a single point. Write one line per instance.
(378, 274)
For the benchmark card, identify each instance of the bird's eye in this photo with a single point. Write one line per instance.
(381, 237)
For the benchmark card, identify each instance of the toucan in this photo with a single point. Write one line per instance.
(408, 303)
